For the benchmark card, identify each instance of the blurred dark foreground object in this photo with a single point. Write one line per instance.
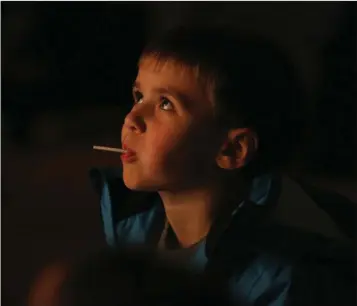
(121, 277)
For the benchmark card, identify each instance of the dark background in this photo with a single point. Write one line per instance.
(67, 69)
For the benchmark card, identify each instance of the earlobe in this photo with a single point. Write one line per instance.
(238, 150)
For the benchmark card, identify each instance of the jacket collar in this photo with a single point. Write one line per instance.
(252, 212)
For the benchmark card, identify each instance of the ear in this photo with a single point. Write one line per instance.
(238, 150)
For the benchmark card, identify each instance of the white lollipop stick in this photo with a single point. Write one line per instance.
(116, 150)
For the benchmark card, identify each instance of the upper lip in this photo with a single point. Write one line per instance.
(128, 150)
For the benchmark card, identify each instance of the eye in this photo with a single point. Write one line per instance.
(166, 104)
(138, 97)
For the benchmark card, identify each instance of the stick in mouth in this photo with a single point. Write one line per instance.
(116, 150)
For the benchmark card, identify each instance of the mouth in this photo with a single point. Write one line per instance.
(129, 156)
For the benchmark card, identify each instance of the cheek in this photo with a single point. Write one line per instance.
(162, 146)
(184, 151)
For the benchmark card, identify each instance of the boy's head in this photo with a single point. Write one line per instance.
(208, 100)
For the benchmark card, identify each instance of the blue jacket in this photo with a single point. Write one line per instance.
(286, 245)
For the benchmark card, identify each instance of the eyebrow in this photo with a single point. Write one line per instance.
(181, 97)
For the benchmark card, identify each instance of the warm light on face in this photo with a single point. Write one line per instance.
(170, 127)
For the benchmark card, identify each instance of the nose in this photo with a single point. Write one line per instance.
(135, 122)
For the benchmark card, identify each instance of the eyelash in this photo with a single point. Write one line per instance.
(138, 96)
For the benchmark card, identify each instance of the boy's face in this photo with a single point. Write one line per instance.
(170, 128)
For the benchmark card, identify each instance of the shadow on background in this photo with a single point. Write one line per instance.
(67, 69)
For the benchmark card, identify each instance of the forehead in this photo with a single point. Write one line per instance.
(170, 69)
(170, 74)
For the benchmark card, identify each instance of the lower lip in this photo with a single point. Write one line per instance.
(128, 157)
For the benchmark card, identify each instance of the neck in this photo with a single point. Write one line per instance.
(191, 213)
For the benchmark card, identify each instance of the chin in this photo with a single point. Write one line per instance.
(140, 185)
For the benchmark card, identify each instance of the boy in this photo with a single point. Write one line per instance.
(215, 117)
